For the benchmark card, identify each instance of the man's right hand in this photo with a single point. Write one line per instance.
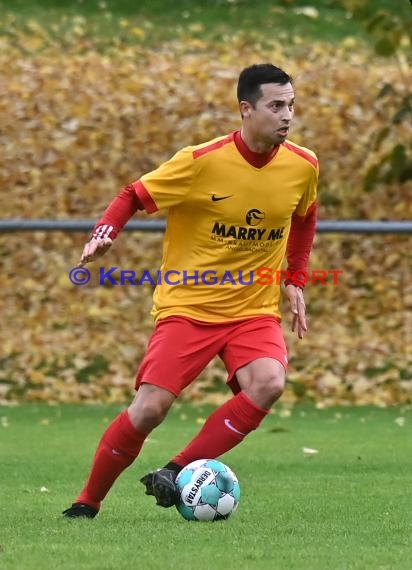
(95, 248)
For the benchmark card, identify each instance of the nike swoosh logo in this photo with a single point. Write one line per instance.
(229, 424)
(217, 198)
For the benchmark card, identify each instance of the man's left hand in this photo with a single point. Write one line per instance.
(298, 308)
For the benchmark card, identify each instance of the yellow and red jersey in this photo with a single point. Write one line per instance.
(228, 211)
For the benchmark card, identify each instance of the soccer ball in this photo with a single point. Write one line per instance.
(209, 491)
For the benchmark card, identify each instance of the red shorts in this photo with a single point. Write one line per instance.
(180, 348)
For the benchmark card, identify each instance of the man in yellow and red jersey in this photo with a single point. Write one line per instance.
(236, 204)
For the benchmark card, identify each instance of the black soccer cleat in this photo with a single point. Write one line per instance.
(161, 485)
(80, 510)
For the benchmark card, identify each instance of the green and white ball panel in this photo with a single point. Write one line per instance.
(210, 494)
(236, 492)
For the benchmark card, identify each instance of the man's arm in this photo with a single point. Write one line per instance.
(117, 214)
(300, 242)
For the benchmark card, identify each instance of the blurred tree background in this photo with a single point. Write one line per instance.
(95, 93)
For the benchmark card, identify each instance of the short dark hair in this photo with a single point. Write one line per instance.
(251, 78)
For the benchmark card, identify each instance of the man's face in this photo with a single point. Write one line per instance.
(270, 120)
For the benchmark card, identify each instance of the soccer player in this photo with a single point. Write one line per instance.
(237, 205)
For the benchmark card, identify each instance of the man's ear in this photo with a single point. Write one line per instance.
(245, 109)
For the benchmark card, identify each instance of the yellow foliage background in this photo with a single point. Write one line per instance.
(77, 126)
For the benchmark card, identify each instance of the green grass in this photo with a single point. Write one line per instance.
(158, 20)
(347, 507)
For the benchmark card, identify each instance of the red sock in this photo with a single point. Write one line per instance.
(224, 429)
(118, 448)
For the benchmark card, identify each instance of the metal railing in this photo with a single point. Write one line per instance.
(324, 226)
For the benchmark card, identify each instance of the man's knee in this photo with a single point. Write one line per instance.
(263, 381)
(266, 390)
(150, 407)
(273, 385)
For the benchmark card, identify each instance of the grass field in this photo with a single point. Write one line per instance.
(346, 507)
(151, 21)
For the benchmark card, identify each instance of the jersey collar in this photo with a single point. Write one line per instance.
(256, 159)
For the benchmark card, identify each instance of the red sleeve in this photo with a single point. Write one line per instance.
(144, 197)
(119, 211)
(302, 233)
